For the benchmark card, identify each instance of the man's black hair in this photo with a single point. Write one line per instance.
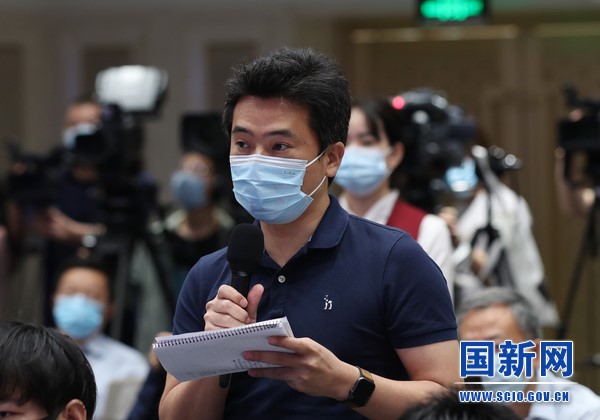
(42, 365)
(303, 77)
(447, 406)
(90, 263)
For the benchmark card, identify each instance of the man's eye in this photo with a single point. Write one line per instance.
(280, 147)
(5, 414)
(240, 144)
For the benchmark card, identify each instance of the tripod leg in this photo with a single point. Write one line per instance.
(120, 289)
(588, 246)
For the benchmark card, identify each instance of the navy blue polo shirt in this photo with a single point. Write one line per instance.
(358, 288)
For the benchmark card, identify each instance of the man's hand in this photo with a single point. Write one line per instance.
(230, 308)
(311, 368)
(56, 225)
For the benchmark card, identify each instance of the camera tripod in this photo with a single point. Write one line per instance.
(119, 249)
(588, 250)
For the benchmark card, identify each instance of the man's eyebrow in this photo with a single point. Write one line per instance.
(275, 133)
(281, 133)
(238, 129)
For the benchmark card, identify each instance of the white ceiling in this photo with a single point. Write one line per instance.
(346, 8)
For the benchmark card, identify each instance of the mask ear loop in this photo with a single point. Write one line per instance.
(318, 186)
(324, 178)
(317, 158)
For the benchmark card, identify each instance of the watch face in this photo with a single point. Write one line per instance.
(362, 391)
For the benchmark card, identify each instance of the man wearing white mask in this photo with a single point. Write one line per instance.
(82, 308)
(374, 151)
(499, 314)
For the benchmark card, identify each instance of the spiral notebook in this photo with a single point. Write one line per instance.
(210, 353)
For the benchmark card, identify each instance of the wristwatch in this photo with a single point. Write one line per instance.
(362, 389)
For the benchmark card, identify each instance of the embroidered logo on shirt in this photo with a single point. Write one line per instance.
(328, 303)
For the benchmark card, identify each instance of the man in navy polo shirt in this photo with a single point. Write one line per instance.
(374, 327)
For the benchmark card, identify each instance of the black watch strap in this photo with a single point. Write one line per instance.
(362, 389)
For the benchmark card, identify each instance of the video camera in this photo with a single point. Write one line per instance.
(113, 147)
(435, 137)
(579, 136)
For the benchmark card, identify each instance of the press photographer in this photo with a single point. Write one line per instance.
(492, 227)
(94, 183)
(577, 179)
(577, 164)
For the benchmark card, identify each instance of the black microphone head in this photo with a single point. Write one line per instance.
(246, 246)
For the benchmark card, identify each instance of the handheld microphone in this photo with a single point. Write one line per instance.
(244, 253)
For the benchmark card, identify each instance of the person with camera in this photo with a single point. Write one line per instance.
(575, 198)
(56, 198)
(492, 226)
(93, 185)
(575, 172)
(374, 150)
(577, 157)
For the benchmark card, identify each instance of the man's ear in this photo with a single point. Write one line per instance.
(74, 410)
(334, 153)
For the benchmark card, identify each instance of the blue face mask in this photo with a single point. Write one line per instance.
(462, 179)
(269, 188)
(363, 169)
(78, 315)
(499, 382)
(189, 190)
(82, 129)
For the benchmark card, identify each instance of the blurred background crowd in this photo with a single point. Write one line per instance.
(480, 138)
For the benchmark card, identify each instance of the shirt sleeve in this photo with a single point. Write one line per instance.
(419, 310)
(189, 313)
(200, 286)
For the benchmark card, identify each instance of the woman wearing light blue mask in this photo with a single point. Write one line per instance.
(199, 226)
(374, 151)
(195, 227)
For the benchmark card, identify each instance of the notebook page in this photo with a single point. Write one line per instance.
(209, 353)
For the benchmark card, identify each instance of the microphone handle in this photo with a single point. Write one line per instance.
(240, 281)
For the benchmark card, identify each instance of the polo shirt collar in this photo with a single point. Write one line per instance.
(332, 226)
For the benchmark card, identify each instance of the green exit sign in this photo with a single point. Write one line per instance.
(452, 11)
